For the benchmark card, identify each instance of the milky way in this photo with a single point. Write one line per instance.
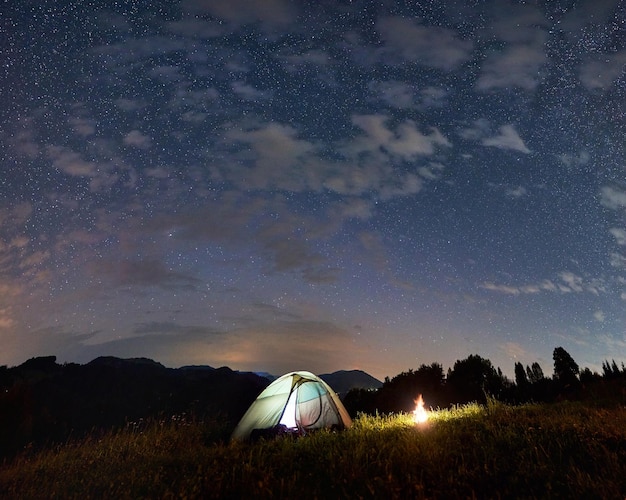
(279, 185)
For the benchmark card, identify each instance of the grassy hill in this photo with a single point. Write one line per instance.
(572, 450)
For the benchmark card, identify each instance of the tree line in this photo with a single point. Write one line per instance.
(475, 379)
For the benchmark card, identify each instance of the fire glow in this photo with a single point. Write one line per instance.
(420, 415)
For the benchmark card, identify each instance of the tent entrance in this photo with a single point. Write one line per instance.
(289, 414)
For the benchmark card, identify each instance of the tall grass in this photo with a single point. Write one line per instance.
(563, 450)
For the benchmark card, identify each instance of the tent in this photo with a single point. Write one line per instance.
(294, 403)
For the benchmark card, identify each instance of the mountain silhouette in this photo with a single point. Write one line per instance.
(44, 402)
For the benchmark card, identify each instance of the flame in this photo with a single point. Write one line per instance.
(420, 415)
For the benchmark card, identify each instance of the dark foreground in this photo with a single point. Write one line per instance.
(552, 451)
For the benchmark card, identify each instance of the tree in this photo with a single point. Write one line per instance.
(535, 373)
(360, 400)
(474, 378)
(566, 370)
(399, 393)
(587, 376)
(610, 370)
(521, 378)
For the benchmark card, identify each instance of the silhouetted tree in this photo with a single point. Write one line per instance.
(566, 372)
(611, 370)
(521, 392)
(474, 378)
(400, 392)
(534, 373)
(521, 378)
(587, 376)
(360, 400)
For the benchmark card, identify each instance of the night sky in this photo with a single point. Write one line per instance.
(274, 185)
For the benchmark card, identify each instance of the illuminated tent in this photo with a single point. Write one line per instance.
(294, 403)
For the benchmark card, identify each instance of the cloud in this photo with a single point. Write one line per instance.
(516, 66)
(101, 174)
(406, 142)
(289, 254)
(160, 328)
(129, 104)
(617, 260)
(514, 350)
(432, 46)
(573, 283)
(505, 289)
(137, 139)
(83, 126)
(147, 272)
(248, 92)
(315, 58)
(71, 162)
(353, 208)
(519, 63)
(275, 158)
(619, 234)
(568, 282)
(507, 139)
(267, 226)
(570, 160)
(396, 94)
(6, 319)
(613, 197)
(23, 137)
(166, 73)
(117, 56)
(517, 192)
(403, 95)
(599, 316)
(16, 214)
(196, 28)
(599, 73)
(283, 346)
(277, 346)
(270, 13)
(170, 343)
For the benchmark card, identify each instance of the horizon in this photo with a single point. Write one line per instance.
(548, 372)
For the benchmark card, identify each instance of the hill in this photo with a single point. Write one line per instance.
(42, 401)
(343, 381)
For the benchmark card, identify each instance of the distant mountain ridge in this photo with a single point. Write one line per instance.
(343, 381)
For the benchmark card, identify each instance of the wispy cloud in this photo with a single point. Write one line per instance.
(137, 139)
(599, 72)
(613, 197)
(517, 192)
(405, 142)
(146, 272)
(619, 234)
(518, 64)
(440, 48)
(508, 138)
(514, 350)
(567, 282)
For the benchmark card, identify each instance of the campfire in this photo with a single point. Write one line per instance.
(420, 415)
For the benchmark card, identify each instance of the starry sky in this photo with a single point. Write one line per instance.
(274, 185)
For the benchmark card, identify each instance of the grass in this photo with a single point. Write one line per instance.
(562, 450)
